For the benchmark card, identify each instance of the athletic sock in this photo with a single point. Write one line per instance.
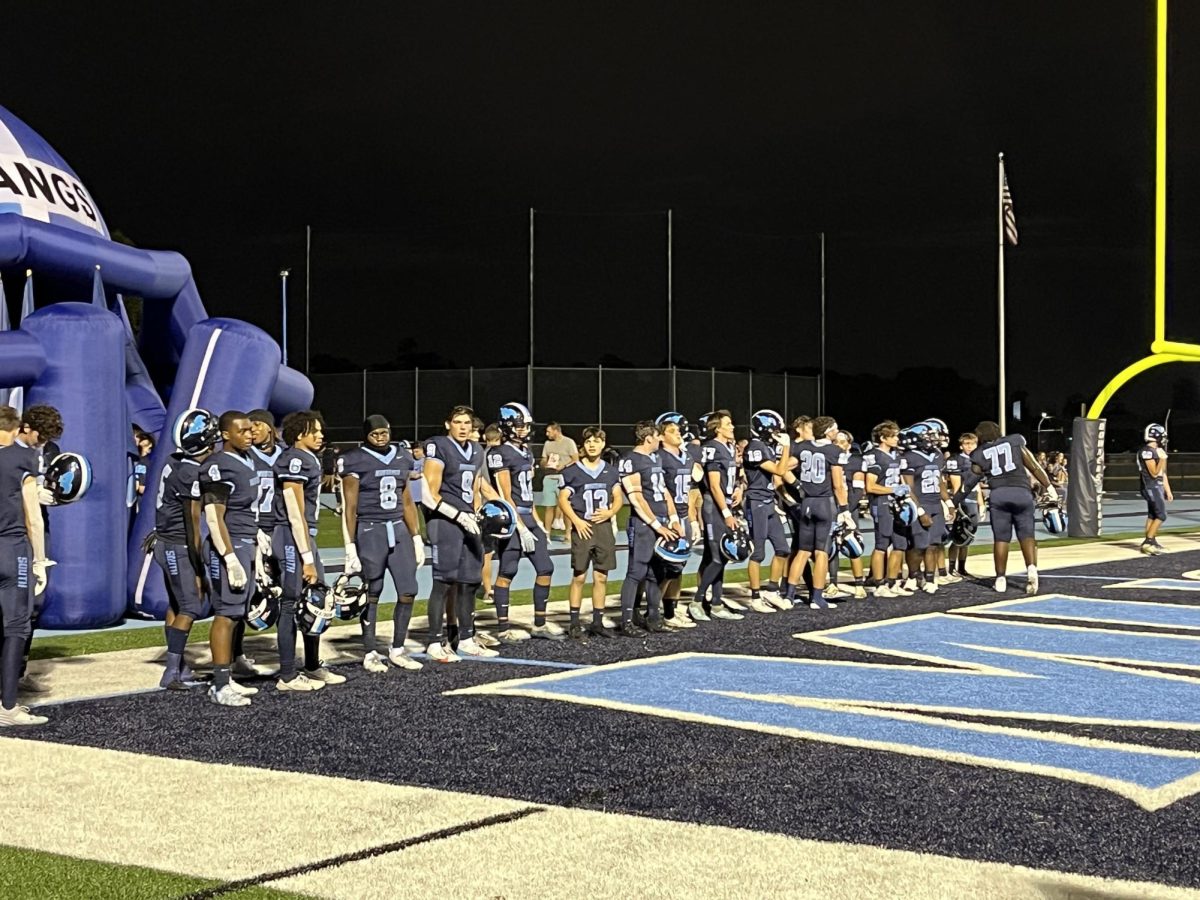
(629, 592)
(668, 608)
(12, 654)
(370, 618)
(176, 640)
(437, 610)
(174, 664)
(942, 571)
(653, 600)
(401, 616)
(754, 595)
(312, 652)
(597, 618)
(541, 596)
(465, 606)
(286, 638)
(239, 633)
(818, 596)
(220, 676)
(771, 586)
(574, 617)
(500, 595)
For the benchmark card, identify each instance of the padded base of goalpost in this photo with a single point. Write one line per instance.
(1085, 493)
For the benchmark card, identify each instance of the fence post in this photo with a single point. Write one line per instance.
(750, 391)
(600, 395)
(674, 397)
(786, 410)
(529, 386)
(712, 388)
(364, 393)
(416, 403)
(471, 386)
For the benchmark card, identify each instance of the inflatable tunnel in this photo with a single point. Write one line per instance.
(79, 354)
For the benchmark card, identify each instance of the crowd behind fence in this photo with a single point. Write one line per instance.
(416, 401)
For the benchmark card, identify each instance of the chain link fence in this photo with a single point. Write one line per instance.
(416, 401)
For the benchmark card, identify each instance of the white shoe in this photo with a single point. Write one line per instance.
(759, 605)
(833, 590)
(324, 675)
(244, 689)
(469, 647)
(513, 635)
(301, 683)
(930, 587)
(885, 592)
(227, 696)
(859, 592)
(679, 620)
(441, 653)
(952, 578)
(733, 605)
(485, 639)
(899, 590)
(910, 585)
(20, 715)
(720, 612)
(375, 662)
(608, 623)
(1001, 584)
(1031, 580)
(551, 631)
(398, 657)
(776, 600)
(696, 611)
(245, 667)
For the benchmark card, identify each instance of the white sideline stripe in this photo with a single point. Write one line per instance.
(111, 806)
(208, 354)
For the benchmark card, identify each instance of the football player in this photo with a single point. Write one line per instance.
(491, 438)
(856, 486)
(1155, 488)
(589, 499)
(452, 481)
(765, 461)
(882, 466)
(382, 535)
(957, 467)
(265, 452)
(229, 492)
(511, 467)
(298, 478)
(23, 563)
(822, 476)
(176, 541)
(654, 516)
(923, 468)
(722, 494)
(1006, 463)
(680, 458)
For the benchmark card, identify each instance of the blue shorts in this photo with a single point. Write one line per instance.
(225, 600)
(457, 556)
(386, 547)
(765, 528)
(1156, 502)
(922, 537)
(1012, 508)
(815, 524)
(180, 578)
(888, 535)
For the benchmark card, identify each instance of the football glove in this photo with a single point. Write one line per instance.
(528, 541)
(41, 575)
(901, 490)
(353, 563)
(1051, 494)
(419, 550)
(237, 575)
(467, 522)
(846, 519)
(263, 540)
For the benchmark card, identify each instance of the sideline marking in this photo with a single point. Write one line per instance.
(1160, 584)
(230, 887)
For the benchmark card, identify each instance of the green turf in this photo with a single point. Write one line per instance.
(33, 875)
(133, 638)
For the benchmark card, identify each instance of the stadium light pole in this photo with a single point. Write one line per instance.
(283, 277)
(307, 297)
(670, 296)
(529, 374)
(821, 383)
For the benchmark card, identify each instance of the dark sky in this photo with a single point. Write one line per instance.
(413, 138)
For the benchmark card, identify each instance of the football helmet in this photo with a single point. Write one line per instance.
(314, 609)
(1155, 432)
(263, 611)
(943, 432)
(904, 510)
(962, 530)
(765, 423)
(676, 550)
(68, 477)
(196, 431)
(924, 436)
(849, 542)
(685, 428)
(906, 441)
(736, 545)
(498, 518)
(513, 416)
(1053, 517)
(702, 425)
(349, 593)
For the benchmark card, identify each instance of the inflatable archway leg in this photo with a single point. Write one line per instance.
(1119, 380)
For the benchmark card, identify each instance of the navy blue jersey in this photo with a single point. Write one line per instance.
(926, 471)
(1001, 462)
(719, 457)
(816, 463)
(518, 462)
(958, 464)
(264, 463)
(654, 482)
(855, 465)
(298, 467)
(759, 484)
(677, 470)
(237, 472)
(1144, 455)
(381, 479)
(461, 465)
(17, 464)
(886, 466)
(180, 482)
(591, 489)
(695, 453)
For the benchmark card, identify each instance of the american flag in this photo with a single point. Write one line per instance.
(1010, 217)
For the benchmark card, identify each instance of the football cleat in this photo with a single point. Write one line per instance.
(1000, 585)
(441, 653)
(513, 635)
(468, 647)
(20, 715)
(375, 663)
(244, 667)
(759, 605)
(777, 600)
(679, 621)
(551, 631)
(628, 629)
(720, 612)
(1031, 580)
(600, 631)
(696, 611)
(225, 696)
(300, 683)
(485, 639)
(244, 689)
(398, 657)
(324, 675)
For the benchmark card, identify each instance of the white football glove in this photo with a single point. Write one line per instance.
(419, 550)
(41, 575)
(237, 575)
(353, 563)
(467, 522)
(45, 498)
(528, 541)
(846, 519)
(782, 439)
(1051, 494)
(263, 541)
(1161, 453)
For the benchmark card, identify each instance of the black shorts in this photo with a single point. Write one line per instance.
(815, 524)
(16, 586)
(765, 529)
(1011, 508)
(225, 600)
(180, 578)
(510, 550)
(387, 547)
(922, 537)
(888, 535)
(599, 551)
(457, 556)
(291, 567)
(1156, 502)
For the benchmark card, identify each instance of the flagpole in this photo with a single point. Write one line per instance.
(1003, 419)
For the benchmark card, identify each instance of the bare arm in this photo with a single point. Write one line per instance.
(34, 524)
(350, 508)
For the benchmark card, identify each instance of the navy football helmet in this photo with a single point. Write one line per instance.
(962, 530)
(703, 425)
(904, 509)
(676, 550)
(1053, 517)
(849, 541)
(263, 611)
(1155, 432)
(196, 431)
(68, 477)
(765, 424)
(924, 436)
(736, 545)
(685, 428)
(943, 432)
(513, 416)
(314, 609)
(498, 519)
(349, 593)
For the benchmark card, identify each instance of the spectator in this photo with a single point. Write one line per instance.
(557, 453)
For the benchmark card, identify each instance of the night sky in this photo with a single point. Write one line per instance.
(413, 138)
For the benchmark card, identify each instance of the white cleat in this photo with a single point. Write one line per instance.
(929, 587)
(227, 696)
(398, 657)
(1031, 580)
(679, 620)
(375, 662)
(952, 578)
(1001, 584)
(551, 631)
(244, 689)
(20, 715)
(301, 683)
(886, 592)
(733, 605)
(485, 639)
(833, 590)
(777, 600)
(859, 592)
(324, 675)
(720, 612)
(513, 635)
(469, 647)
(899, 590)
(910, 585)
(697, 613)
(760, 605)
(441, 653)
